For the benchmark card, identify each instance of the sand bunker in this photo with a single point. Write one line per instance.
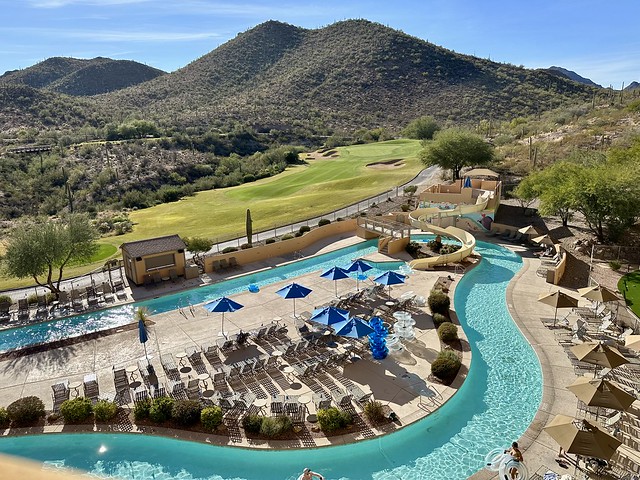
(387, 164)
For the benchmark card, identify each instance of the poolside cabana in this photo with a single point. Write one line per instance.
(155, 259)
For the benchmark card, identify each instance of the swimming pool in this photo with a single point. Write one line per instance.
(495, 405)
(77, 325)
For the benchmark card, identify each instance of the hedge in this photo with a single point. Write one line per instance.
(446, 365)
(25, 411)
(448, 332)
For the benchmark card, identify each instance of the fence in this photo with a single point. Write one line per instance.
(617, 253)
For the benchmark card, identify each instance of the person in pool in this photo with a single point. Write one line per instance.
(307, 474)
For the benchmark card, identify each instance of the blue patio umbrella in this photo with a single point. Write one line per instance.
(353, 328)
(294, 290)
(144, 337)
(467, 182)
(360, 267)
(335, 273)
(222, 304)
(329, 315)
(390, 278)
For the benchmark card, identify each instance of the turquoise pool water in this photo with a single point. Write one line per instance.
(77, 325)
(494, 406)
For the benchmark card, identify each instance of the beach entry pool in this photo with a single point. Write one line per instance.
(495, 405)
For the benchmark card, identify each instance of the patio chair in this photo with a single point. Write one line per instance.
(224, 263)
(173, 275)
(177, 390)
(5, 316)
(233, 262)
(193, 389)
(90, 387)
(76, 301)
(358, 394)
(107, 292)
(120, 379)
(277, 407)
(60, 394)
(321, 401)
(169, 366)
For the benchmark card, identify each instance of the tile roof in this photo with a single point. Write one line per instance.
(152, 246)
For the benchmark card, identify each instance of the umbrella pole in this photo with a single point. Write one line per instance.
(223, 334)
(294, 308)
(335, 283)
(145, 352)
(555, 317)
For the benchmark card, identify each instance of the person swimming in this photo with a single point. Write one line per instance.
(307, 474)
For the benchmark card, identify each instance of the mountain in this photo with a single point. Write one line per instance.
(574, 76)
(78, 77)
(632, 86)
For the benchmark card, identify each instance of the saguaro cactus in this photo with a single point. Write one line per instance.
(249, 227)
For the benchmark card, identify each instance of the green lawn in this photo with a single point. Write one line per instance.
(629, 285)
(304, 191)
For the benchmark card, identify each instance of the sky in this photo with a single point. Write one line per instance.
(598, 40)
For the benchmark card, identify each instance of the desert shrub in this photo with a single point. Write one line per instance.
(413, 248)
(446, 365)
(245, 246)
(229, 249)
(270, 240)
(449, 248)
(615, 265)
(298, 234)
(160, 410)
(286, 236)
(104, 410)
(439, 302)
(75, 410)
(141, 410)
(331, 419)
(434, 245)
(6, 299)
(252, 423)
(374, 411)
(439, 319)
(405, 207)
(274, 426)
(305, 229)
(323, 222)
(340, 219)
(448, 332)
(211, 417)
(186, 412)
(410, 190)
(4, 418)
(25, 411)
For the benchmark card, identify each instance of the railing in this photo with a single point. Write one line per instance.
(385, 227)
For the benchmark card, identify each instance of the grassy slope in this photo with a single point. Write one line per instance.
(300, 192)
(632, 293)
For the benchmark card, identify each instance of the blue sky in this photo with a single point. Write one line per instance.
(597, 39)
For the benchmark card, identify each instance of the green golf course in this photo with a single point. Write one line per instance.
(321, 185)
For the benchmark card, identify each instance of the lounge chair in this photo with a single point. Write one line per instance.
(157, 279)
(23, 310)
(233, 262)
(76, 301)
(5, 316)
(173, 274)
(224, 263)
(63, 300)
(193, 389)
(90, 386)
(107, 292)
(60, 394)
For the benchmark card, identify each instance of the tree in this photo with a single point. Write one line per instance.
(45, 247)
(249, 227)
(197, 246)
(454, 149)
(422, 128)
(525, 193)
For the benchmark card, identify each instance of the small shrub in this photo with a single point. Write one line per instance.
(270, 240)
(186, 412)
(274, 426)
(446, 365)
(141, 410)
(374, 411)
(615, 265)
(323, 222)
(211, 417)
(160, 410)
(448, 332)
(245, 246)
(439, 319)
(404, 207)
(331, 419)
(339, 219)
(305, 229)
(6, 299)
(25, 411)
(104, 410)
(252, 423)
(286, 236)
(434, 245)
(449, 248)
(413, 248)
(439, 302)
(410, 190)
(75, 410)
(298, 234)
(4, 418)
(229, 249)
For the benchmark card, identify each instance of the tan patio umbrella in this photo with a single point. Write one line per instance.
(598, 293)
(633, 342)
(544, 240)
(528, 230)
(582, 437)
(601, 393)
(599, 354)
(558, 300)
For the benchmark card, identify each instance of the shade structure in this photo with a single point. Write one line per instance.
(222, 305)
(558, 300)
(467, 182)
(633, 342)
(354, 327)
(600, 354)
(329, 316)
(335, 273)
(528, 230)
(601, 393)
(143, 335)
(294, 290)
(482, 172)
(359, 266)
(582, 437)
(544, 240)
(390, 278)
(598, 293)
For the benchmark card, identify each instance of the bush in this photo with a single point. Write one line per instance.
(75, 410)
(298, 234)
(160, 410)
(615, 265)
(413, 248)
(211, 418)
(186, 412)
(439, 319)
(245, 246)
(104, 410)
(331, 419)
(270, 240)
(439, 302)
(252, 423)
(286, 236)
(305, 229)
(448, 332)
(4, 418)
(323, 222)
(446, 365)
(6, 299)
(374, 411)
(405, 207)
(274, 426)
(434, 245)
(449, 248)
(25, 411)
(141, 410)
(229, 249)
